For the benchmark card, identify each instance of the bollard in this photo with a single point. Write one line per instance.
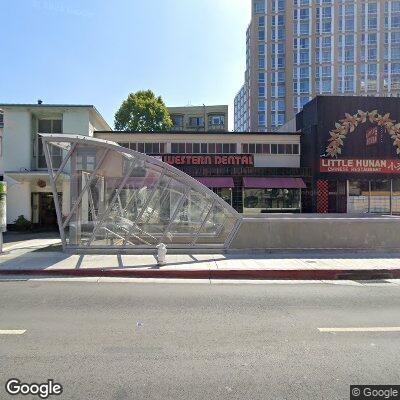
(3, 210)
(161, 253)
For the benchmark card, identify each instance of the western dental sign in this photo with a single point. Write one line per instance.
(366, 166)
(209, 159)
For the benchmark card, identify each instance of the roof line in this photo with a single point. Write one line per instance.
(90, 106)
(47, 105)
(198, 133)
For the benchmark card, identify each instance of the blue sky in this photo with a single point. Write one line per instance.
(97, 51)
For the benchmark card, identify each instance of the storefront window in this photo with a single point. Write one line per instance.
(380, 196)
(225, 194)
(271, 200)
(358, 197)
(396, 196)
(372, 197)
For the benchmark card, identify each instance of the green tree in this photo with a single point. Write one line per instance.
(143, 112)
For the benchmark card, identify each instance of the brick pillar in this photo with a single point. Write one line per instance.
(322, 196)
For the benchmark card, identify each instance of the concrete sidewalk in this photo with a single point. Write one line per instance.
(42, 257)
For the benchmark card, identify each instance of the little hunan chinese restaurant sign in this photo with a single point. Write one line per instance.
(209, 159)
(363, 166)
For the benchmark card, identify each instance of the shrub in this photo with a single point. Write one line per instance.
(22, 224)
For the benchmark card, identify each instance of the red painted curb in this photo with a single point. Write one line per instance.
(215, 274)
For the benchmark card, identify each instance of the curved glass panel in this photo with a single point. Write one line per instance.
(117, 198)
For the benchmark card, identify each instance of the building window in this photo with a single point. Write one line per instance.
(148, 148)
(266, 148)
(264, 200)
(259, 6)
(85, 160)
(216, 120)
(49, 126)
(177, 121)
(203, 148)
(196, 122)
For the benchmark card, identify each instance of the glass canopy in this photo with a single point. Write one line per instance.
(121, 199)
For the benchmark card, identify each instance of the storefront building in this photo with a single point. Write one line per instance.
(352, 146)
(255, 173)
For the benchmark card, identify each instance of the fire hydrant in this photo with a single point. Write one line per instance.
(161, 253)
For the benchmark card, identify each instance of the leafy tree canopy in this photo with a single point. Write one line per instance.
(143, 112)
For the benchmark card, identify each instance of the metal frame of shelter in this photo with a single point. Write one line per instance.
(123, 200)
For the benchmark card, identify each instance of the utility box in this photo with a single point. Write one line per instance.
(3, 206)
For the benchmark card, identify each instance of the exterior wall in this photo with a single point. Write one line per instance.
(1, 152)
(332, 232)
(277, 161)
(96, 123)
(76, 122)
(201, 112)
(17, 135)
(19, 202)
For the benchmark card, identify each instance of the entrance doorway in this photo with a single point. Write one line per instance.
(44, 210)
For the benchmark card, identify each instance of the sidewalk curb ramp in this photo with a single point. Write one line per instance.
(256, 274)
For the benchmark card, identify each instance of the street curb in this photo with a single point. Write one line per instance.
(256, 274)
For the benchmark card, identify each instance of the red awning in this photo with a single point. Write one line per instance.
(273, 183)
(217, 182)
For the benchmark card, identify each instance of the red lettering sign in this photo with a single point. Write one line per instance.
(211, 159)
(371, 136)
(356, 165)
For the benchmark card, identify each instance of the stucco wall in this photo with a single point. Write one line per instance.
(18, 202)
(76, 122)
(277, 160)
(302, 232)
(2, 153)
(17, 143)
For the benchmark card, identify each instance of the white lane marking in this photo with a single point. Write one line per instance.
(12, 331)
(366, 329)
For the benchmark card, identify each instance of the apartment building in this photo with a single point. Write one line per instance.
(199, 118)
(241, 111)
(298, 49)
(22, 161)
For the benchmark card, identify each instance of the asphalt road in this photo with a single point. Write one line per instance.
(198, 341)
